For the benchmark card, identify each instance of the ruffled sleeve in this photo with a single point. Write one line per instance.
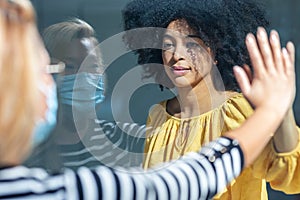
(235, 111)
(282, 170)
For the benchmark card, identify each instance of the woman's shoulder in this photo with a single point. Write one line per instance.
(237, 103)
(160, 108)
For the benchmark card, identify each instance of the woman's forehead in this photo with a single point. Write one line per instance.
(180, 26)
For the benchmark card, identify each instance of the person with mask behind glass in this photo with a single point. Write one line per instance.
(83, 135)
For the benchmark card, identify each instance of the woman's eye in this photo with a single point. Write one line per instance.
(167, 45)
(70, 69)
(70, 66)
(192, 45)
(94, 68)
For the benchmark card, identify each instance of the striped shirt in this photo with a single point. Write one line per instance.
(109, 143)
(105, 143)
(195, 176)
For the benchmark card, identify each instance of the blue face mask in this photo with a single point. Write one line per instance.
(44, 126)
(82, 91)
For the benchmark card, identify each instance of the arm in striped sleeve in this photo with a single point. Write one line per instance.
(195, 176)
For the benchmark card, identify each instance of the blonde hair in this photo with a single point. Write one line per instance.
(19, 71)
(61, 35)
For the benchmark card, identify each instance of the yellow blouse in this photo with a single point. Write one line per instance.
(171, 137)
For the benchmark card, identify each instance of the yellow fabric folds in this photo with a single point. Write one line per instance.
(170, 137)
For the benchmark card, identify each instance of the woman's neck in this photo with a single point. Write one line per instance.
(197, 100)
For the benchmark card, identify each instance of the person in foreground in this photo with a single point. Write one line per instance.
(26, 121)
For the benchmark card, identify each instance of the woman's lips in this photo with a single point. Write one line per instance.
(179, 70)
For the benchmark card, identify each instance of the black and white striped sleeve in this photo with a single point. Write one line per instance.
(195, 176)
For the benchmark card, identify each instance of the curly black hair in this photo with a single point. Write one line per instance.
(221, 24)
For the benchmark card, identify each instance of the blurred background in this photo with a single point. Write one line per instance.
(105, 17)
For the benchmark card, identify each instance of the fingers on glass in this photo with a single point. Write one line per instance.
(276, 49)
(265, 48)
(255, 55)
(242, 79)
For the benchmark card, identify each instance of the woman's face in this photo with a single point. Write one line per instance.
(186, 58)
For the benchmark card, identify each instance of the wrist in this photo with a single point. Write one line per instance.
(272, 111)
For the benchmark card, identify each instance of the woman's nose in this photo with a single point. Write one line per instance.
(179, 53)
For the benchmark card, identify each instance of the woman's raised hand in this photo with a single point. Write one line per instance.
(273, 81)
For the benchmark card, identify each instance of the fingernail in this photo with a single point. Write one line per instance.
(284, 51)
(273, 35)
(261, 31)
(250, 38)
(289, 44)
(237, 69)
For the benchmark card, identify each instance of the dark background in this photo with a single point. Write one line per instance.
(105, 17)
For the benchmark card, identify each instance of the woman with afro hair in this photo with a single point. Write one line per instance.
(193, 45)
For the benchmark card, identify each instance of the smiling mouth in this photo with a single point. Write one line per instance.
(180, 68)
